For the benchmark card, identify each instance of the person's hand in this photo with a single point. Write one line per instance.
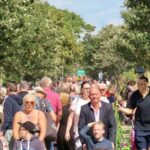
(1, 133)
(113, 146)
(84, 147)
(41, 139)
(119, 107)
(91, 123)
(67, 136)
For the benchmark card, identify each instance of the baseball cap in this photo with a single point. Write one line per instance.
(29, 126)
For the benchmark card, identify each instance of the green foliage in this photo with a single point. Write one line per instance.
(119, 130)
(101, 52)
(134, 43)
(38, 39)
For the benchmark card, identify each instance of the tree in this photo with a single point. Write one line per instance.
(134, 44)
(38, 39)
(104, 55)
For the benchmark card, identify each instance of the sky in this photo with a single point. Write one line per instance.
(96, 12)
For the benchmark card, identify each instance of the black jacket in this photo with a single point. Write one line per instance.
(20, 96)
(106, 116)
(10, 108)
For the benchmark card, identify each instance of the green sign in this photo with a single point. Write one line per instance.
(81, 72)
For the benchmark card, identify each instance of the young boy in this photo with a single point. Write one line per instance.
(97, 140)
(28, 141)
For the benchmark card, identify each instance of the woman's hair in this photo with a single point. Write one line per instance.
(29, 96)
(64, 87)
(64, 98)
(83, 83)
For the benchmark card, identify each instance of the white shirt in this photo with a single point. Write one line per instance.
(104, 99)
(96, 113)
(76, 107)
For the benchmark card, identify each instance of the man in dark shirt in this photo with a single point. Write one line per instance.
(11, 106)
(23, 90)
(139, 105)
(97, 110)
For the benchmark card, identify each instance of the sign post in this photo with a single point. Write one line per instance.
(81, 73)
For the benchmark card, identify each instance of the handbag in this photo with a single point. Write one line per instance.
(51, 133)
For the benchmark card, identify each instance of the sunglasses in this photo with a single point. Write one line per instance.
(30, 102)
(102, 89)
(86, 88)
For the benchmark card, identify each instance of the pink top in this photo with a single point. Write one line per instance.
(54, 99)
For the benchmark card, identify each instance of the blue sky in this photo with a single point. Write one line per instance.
(96, 12)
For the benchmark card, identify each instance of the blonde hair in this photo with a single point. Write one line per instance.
(64, 87)
(29, 96)
(98, 123)
(65, 98)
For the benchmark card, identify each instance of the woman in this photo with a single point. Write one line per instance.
(45, 106)
(30, 114)
(75, 109)
(65, 100)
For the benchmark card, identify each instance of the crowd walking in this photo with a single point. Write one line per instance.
(71, 115)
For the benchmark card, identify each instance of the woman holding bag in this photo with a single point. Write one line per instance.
(45, 106)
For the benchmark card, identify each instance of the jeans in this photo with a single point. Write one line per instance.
(9, 139)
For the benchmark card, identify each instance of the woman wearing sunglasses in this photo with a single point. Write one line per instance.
(30, 114)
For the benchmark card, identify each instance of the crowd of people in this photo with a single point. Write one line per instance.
(71, 115)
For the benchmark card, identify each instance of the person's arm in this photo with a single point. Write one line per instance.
(50, 109)
(85, 129)
(53, 116)
(42, 125)
(8, 111)
(127, 111)
(59, 110)
(82, 122)
(82, 119)
(69, 125)
(131, 105)
(16, 126)
(111, 125)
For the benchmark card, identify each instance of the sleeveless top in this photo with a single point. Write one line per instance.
(32, 117)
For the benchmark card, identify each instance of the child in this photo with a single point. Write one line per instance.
(97, 140)
(28, 141)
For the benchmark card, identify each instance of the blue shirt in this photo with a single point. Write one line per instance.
(91, 143)
(43, 105)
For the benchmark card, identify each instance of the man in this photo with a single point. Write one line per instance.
(23, 90)
(11, 106)
(97, 110)
(27, 138)
(139, 105)
(103, 90)
(52, 97)
(97, 140)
